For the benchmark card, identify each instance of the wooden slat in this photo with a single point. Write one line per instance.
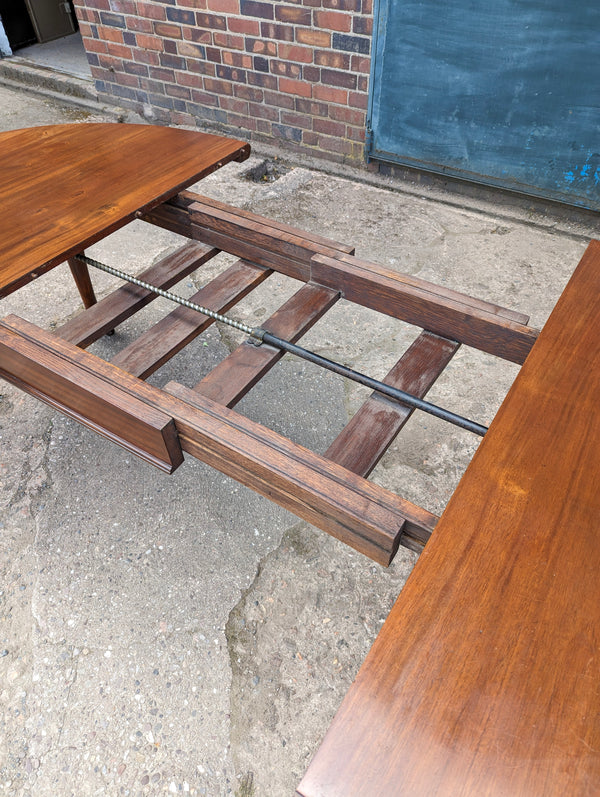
(241, 370)
(64, 187)
(446, 313)
(484, 678)
(172, 333)
(96, 321)
(246, 235)
(37, 362)
(363, 441)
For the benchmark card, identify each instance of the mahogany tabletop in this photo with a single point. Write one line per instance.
(64, 187)
(485, 678)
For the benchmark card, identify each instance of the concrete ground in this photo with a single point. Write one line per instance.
(180, 634)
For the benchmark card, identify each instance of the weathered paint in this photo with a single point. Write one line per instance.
(505, 93)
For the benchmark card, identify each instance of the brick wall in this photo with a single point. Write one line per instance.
(293, 73)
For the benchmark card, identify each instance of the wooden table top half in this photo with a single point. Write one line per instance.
(64, 187)
(485, 678)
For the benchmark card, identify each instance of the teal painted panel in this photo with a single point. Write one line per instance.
(505, 93)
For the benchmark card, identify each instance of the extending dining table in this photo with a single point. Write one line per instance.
(485, 678)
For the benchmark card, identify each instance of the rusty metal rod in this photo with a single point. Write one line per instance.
(263, 336)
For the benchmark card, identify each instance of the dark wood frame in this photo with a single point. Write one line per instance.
(330, 491)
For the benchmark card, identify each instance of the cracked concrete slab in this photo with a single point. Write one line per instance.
(180, 634)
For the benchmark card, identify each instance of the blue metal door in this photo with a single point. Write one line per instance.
(505, 93)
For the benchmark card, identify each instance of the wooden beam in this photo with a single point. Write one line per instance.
(42, 365)
(247, 235)
(446, 313)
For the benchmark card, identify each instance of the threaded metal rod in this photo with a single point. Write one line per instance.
(262, 336)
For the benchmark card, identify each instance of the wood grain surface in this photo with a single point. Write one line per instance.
(66, 186)
(485, 679)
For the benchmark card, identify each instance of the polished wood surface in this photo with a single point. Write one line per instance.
(485, 679)
(66, 186)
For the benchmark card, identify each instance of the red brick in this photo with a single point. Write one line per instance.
(361, 63)
(351, 116)
(311, 107)
(188, 79)
(211, 21)
(213, 54)
(332, 59)
(179, 118)
(242, 122)
(310, 138)
(163, 75)
(362, 25)
(139, 25)
(192, 3)
(280, 100)
(260, 46)
(146, 57)
(328, 94)
(293, 14)
(227, 41)
(110, 63)
(263, 126)
(329, 127)
(312, 74)
(237, 106)
(218, 86)
(119, 50)
(201, 67)
(229, 73)
(355, 133)
(367, 6)
(280, 32)
(295, 87)
(167, 31)
(357, 100)
(181, 92)
(285, 68)
(128, 80)
(149, 10)
(332, 77)
(250, 27)
(202, 98)
(85, 29)
(224, 6)
(332, 20)
(291, 52)
(337, 145)
(248, 93)
(103, 5)
(237, 59)
(260, 79)
(88, 15)
(316, 38)
(191, 50)
(198, 35)
(263, 112)
(296, 120)
(95, 46)
(149, 42)
(343, 5)
(124, 6)
(363, 83)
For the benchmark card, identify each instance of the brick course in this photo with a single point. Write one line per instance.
(294, 72)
